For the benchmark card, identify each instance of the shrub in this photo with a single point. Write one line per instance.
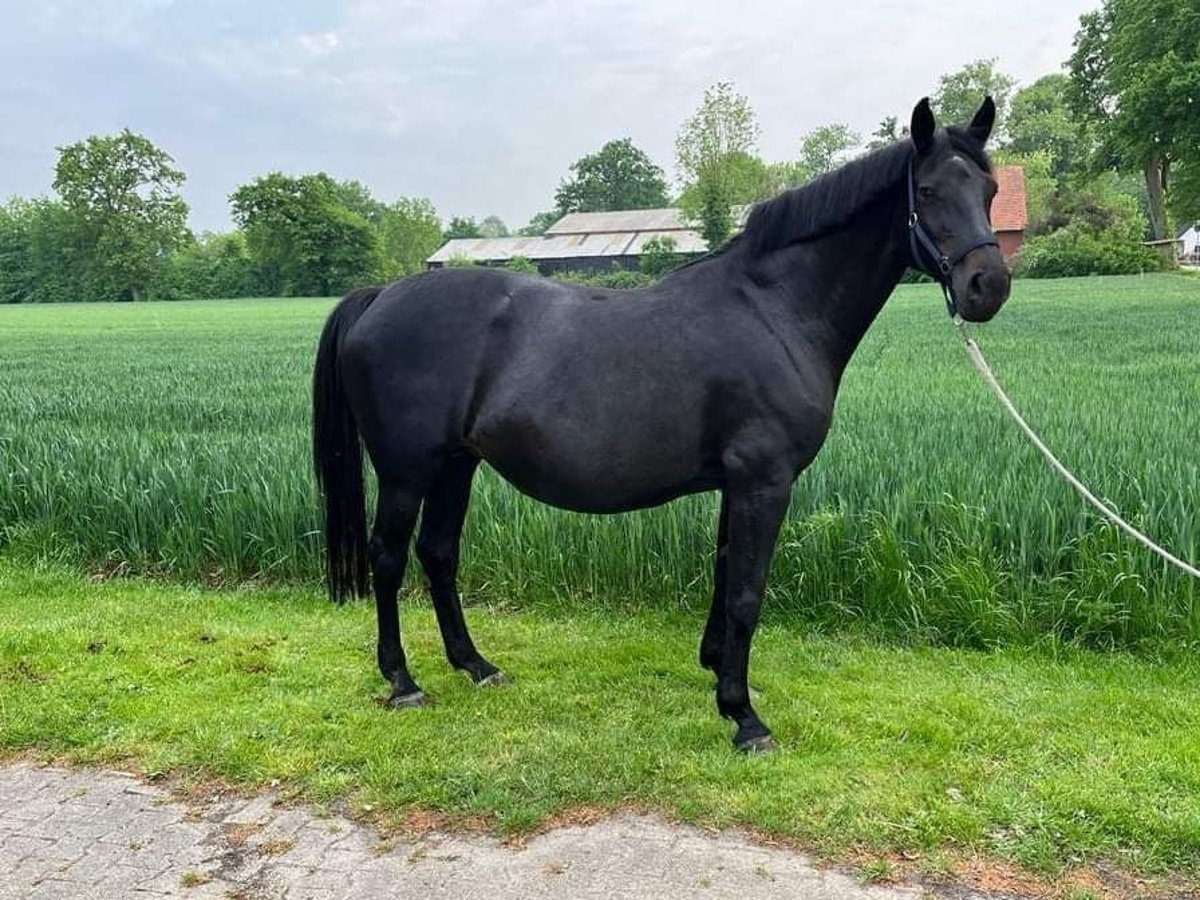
(1075, 250)
(521, 264)
(214, 266)
(659, 256)
(1096, 231)
(622, 279)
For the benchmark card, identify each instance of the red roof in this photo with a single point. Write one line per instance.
(1009, 212)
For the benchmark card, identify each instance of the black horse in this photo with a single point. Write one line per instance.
(720, 377)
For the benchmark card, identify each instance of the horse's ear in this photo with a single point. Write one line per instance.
(923, 126)
(985, 118)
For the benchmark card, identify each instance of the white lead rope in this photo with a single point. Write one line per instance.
(981, 364)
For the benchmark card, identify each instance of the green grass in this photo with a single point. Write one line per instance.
(1040, 758)
(173, 439)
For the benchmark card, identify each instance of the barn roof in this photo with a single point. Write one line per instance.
(670, 219)
(1010, 211)
(584, 235)
(563, 246)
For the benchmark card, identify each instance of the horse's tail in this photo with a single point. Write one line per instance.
(338, 457)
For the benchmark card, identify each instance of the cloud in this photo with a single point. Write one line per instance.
(481, 106)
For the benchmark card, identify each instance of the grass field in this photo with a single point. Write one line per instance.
(172, 439)
(1046, 759)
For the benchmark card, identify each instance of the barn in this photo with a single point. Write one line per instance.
(1010, 211)
(580, 242)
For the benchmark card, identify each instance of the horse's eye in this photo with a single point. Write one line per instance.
(925, 191)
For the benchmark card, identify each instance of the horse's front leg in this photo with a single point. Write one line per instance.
(755, 511)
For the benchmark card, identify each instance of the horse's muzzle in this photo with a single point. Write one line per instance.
(982, 284)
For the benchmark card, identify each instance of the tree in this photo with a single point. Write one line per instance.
(124, 192)
(825, 148)
(1095, 230)
(1040, 121)
(1184, 199)
(409, 231)
(960, 93)
(460, 227)
(1135, 78)
(207, 267)
(888, 132)
(539, 223)
(493, 227)
(740, 179)
(712, 150)
(44, 254)
(617, 176)
(306, 241)
(356, 197)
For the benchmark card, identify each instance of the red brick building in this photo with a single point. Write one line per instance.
(1010, 215)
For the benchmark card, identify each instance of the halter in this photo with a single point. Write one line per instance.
(919, 239)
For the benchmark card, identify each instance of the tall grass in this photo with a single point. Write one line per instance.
(174, 439)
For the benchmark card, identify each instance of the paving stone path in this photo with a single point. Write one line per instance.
(96, 835)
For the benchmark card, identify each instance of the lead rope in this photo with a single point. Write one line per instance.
(981, 364)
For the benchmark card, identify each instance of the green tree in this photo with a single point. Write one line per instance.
(1040, 121)
(1135, 79)
(740, 179)
(1097, 229)
(493, 227)
(460, 227)
(539, 223)
(1184, 199)
(356, 197)
(44, 254)
(209, 266)
(959, 94)
(825, 148)
(888, 132)
(304, 239)
(617, 176)
(712, 151)
(124, 192)
(409, 231)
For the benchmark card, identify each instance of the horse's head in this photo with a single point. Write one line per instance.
(951, 189)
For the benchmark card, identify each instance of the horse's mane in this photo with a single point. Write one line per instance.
(826, 203)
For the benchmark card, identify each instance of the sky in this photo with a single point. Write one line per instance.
(479, 105)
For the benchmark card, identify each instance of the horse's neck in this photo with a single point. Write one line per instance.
(836, 285)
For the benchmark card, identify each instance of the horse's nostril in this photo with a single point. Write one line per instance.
(975, 286)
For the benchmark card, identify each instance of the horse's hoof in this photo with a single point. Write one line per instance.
(764, 743)
(496, 679)
(408, 701)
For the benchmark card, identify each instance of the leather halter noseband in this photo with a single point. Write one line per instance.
(942, 263)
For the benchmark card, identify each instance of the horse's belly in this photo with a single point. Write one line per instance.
(600, 497)
(590, 476)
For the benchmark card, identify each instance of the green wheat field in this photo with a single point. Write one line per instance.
(172, 440)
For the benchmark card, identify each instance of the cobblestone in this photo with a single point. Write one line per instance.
(94, 835)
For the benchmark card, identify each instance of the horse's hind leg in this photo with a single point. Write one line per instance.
(438, 550)
(395, 517)
(712, 646)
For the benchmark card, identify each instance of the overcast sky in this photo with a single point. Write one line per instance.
(480, 105)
